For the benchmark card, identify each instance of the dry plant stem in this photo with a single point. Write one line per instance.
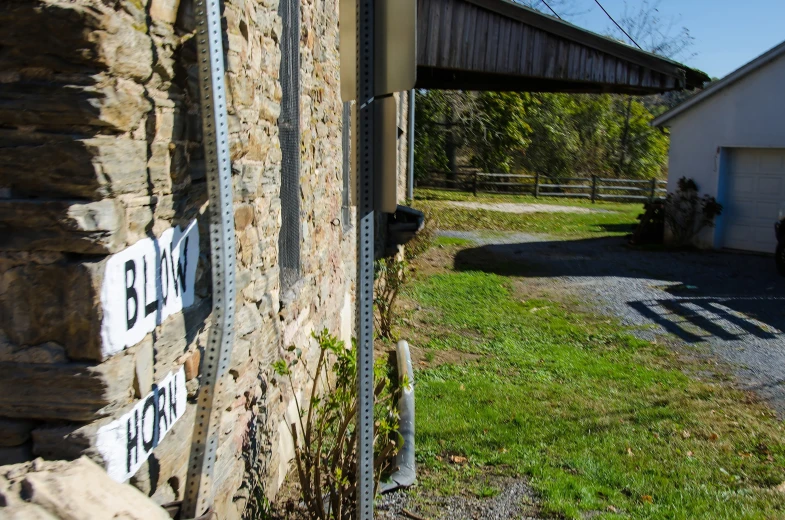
(308, 439)
(325, 454)
(300, 473)
(304, 474)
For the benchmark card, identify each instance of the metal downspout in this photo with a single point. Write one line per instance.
(405, 474)
(198, 496)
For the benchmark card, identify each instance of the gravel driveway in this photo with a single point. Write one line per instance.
(732, 303)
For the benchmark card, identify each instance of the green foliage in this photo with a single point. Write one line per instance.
(325, 435)
(554, 144)
(556, 135)
(429, 137)
(603, 424)
(686, 213)
(390, 275)
(645, 151)
(499, 129)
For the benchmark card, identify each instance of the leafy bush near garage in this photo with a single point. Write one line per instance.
(651, 225)
(687, 213)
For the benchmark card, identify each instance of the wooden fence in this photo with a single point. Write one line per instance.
(593, 188)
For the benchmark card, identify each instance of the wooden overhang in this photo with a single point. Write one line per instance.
(500, 45)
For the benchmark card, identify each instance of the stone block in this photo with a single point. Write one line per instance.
(143, 370)
(124, 46)
(62, 225)
(52, 302)
(50, 165)
(65, 442)
(70, 392)
(41, 354)
(243, 216)
(177, 334)
(247, 320)
(71, 491)
(40, 34)
(15, 454)
(113, 104)
(192, 364)
(14, 433)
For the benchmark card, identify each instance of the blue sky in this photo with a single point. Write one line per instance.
(728, 33)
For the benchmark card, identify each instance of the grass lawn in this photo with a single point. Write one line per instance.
(616, 219)
(598, 420)
(602, 424)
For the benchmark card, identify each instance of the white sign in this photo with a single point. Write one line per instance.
(146, 283)
(127, 442)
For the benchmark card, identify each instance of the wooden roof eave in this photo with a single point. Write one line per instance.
(482, 45)
(576, 34)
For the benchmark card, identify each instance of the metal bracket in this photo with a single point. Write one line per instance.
(215, 361)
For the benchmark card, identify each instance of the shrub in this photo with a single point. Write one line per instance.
(686, 213)
(391, 274)
(651, 228)
(325, 435)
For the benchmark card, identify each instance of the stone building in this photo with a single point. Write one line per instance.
(103, 204)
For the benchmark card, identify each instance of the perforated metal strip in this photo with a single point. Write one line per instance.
(215, 361)
(365, 251)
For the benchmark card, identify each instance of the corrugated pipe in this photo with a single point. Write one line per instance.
(405, 474)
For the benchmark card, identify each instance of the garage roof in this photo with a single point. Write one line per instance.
(722, 84)
(501, 45)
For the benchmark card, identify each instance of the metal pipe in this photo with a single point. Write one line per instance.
(410, 187)
(405, 474)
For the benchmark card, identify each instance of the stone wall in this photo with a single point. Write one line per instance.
(100, 147)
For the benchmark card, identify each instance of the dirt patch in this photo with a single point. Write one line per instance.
(495, 498)
(430, 358)
(435, 260)
(523, 207)
(489, 497)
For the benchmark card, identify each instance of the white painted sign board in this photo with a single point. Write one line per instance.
(125, 444)
(145, 284)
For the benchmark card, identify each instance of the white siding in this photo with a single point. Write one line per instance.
(749, 113)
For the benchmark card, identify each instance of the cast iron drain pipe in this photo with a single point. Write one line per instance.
(405, 474)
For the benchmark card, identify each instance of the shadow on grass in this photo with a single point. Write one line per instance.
(704, 295)
(617, 228)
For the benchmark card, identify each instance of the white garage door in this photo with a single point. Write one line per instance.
(755, 190)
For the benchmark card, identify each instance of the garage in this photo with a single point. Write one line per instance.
(755, 188)
(730, 140)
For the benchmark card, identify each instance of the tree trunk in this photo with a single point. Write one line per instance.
(450, 146)
(624, 137)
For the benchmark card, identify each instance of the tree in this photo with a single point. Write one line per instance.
(554, 141)
(486, 129)
(657, 34)
(500, 130)
(429, 139)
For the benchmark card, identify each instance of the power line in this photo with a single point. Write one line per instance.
(617, 25)
(551, 8)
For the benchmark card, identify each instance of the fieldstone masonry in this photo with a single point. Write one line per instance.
(100, 146)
